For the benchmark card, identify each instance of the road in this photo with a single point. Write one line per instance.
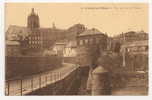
(34, 82)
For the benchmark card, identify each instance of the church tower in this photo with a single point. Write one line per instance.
(33, 20)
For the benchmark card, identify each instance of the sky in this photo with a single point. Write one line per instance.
(112, 18)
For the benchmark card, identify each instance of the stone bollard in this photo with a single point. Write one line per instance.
(100, 82)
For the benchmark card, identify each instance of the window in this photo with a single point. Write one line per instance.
(81, 42)
(86, 41)
(30, 42)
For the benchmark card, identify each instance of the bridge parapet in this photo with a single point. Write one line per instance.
(25, 85)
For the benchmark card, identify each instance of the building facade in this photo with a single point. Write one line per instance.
(12, 48)
(70, 49)
(89, 45)
(59, 48)
(34, 38)
(136, 47)
(131, 36)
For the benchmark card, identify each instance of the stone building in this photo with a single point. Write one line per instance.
(40, 38)
(92, 37)
(89, 45)
(70, 49)
(131, 36)
(34, 38)
(136, 47)
(12, 48)
(59, 48)
(127, 38)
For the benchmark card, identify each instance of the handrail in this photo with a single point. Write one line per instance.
(28, 84)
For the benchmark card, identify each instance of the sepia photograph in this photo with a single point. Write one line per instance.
(78, 49)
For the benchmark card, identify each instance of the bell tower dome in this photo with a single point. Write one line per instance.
(33, 20)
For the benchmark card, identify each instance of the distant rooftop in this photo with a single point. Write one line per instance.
(92, 31)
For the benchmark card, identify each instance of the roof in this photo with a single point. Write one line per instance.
(12, 43)
(14, 32)
(92, 31)
(13, 29)
(76, 27)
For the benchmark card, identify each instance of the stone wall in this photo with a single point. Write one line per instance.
(73, 84)
(22, 66)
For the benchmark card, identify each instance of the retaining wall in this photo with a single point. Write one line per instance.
(22, 66)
